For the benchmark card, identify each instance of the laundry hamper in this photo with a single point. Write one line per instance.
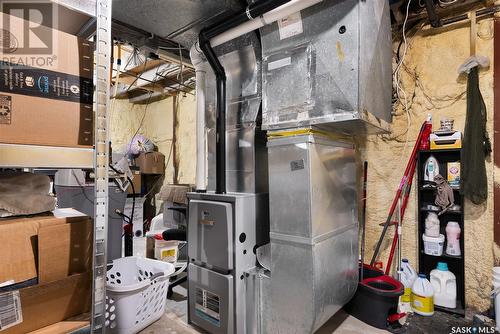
(136, 293)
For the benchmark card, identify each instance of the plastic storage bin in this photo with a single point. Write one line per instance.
(136, 293)
(433, 246)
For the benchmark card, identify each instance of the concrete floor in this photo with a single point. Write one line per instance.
(175, 320)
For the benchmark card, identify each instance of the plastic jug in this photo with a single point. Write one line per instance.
(432, 225)
(422, 296)
(453, 231)
(444, 284)
(407, 276)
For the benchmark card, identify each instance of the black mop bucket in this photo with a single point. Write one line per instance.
(376, 298)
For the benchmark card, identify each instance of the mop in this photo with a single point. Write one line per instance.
(402, 192)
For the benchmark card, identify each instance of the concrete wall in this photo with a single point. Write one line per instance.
(433, 85)
(158, 125)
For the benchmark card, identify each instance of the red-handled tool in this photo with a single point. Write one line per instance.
(403, 190)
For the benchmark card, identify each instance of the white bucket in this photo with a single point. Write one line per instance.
(167, 251)
(433, 246)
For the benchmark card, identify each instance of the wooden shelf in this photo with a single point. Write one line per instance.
(444, 213)
(444, 256)
(459, 310)
(426, 196)
(30, 156)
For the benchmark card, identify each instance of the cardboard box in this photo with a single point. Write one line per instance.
(45, 247)
(151, 163)
(454, 174)
(175, 193)
(45, 99)
(136, 180)
(49, 303)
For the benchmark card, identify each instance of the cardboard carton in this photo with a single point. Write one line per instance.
(151, 163)
(49, 303)
(137, 181)
(45, 99)
(44, 247)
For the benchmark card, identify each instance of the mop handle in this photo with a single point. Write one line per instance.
(401, 217)
(404, 181)
(363, 217)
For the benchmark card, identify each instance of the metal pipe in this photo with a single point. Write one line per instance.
(252, 11)
(433, 17)
(274, 15)
(220, 125)
(479, 14)
(201, 160)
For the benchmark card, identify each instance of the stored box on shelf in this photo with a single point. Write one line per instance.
(446, 141)
(137, 182)
(48, 261)
(151, 163)
(41, 305)
(44, 248)
(46, 95)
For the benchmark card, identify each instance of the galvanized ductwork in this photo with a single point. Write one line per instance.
(326, 70)
(330, 65)
(314, 231)
(326, 67)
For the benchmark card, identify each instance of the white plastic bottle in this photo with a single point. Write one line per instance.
(422, 296)
(408, 275)
(431, 169)
(453, 232)
(432, 225)
(444, 284)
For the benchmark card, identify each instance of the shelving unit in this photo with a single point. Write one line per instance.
(426, 195)
(46, 157)
(30, 156)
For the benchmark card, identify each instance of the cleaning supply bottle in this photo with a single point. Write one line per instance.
(422, 296)
(432, 225)
(444, 284)
(453, 232)
(431, 169)
(407, 276)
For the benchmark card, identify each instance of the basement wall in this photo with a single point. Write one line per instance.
(158, 125)
(432, 85)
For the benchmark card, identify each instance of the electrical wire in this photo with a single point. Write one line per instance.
(143, 116)
(400, 91)
(397, 79)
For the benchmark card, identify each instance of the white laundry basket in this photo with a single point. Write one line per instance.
(136, 293)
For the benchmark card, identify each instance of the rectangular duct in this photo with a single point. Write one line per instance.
(314, 231)
(329, 65)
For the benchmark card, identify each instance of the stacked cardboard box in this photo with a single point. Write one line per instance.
(48, 259)
(45, 97)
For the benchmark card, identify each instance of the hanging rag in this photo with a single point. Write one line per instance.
(476, 142)
(24, 194)
(444, 195)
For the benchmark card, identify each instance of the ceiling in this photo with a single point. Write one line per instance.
(177, 20)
